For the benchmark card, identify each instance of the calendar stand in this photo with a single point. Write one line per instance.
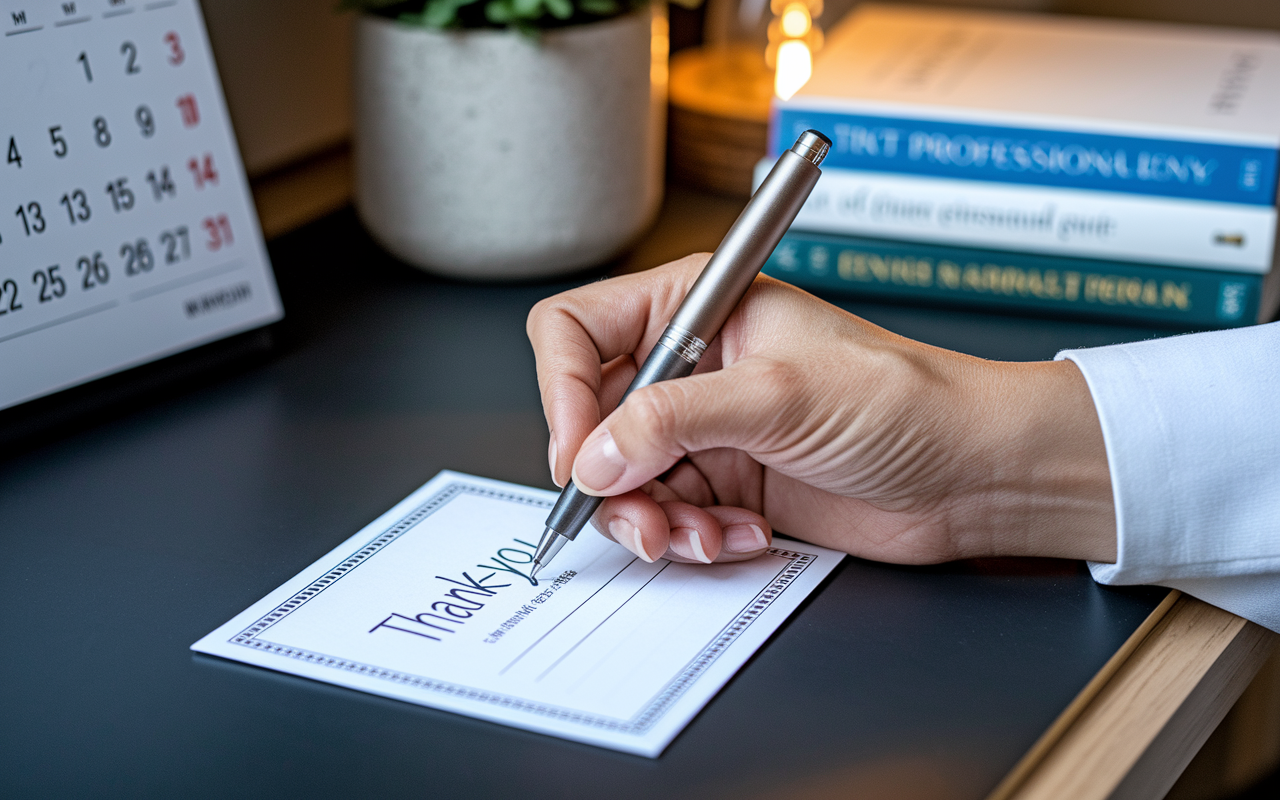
(127, 232)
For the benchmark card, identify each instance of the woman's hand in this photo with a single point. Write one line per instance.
(805, 418)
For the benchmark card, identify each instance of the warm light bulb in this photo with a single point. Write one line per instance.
(795, 65)
(796, 21)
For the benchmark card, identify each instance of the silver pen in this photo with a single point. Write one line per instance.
(713, 297)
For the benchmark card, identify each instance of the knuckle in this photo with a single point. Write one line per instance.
(780, 385)
(777, 378)
(553, 309)
(538, 315)
(653, 410)
(909, 370)
(544, 305)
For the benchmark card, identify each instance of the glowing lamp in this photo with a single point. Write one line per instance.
(793, 39)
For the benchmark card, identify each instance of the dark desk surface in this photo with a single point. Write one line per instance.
(127, 540)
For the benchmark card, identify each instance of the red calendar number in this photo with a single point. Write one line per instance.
(219, 230)
(176, 56)
(190, 112)
(203, 172)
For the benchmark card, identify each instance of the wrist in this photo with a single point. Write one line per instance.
(1047, 490)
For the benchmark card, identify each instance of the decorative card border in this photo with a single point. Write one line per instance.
(640, 723)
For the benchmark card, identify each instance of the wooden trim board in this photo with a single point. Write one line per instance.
(294, 196)
(1050, 738)
(1130, 733)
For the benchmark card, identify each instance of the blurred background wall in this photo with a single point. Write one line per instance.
(285, 63)
(285, 67)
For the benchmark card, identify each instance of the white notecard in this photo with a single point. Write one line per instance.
(432, 603)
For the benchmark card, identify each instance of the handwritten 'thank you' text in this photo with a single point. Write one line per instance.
(467, 597)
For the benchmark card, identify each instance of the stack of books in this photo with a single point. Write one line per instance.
(1049, 164)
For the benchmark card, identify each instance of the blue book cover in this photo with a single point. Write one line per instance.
(1228, 173)
(907, 271)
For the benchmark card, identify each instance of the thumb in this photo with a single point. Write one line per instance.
(658, 425)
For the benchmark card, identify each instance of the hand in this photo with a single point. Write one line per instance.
(806, 418)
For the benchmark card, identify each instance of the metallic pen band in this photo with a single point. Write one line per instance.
(683, 344)
(812, 147)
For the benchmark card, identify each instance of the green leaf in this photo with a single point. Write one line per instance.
(527, 16)
(560, 9)
(499, 12)
(440, 13)
(527, 9)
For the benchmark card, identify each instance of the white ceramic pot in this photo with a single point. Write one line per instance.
(490, 154)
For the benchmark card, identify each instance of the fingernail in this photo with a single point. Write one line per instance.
(628, 536)
(744, 539)
(688, 543)
(599, 463)
(551, 458)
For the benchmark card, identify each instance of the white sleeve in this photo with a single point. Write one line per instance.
(1192, 430)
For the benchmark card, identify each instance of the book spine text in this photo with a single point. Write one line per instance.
(1214, 171)
(1077, 223)
(853, 266)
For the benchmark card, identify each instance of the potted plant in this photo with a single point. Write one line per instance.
(501, 139)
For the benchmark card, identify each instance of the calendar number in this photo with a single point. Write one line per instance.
(176, 56)
(219, 230)
(100, 133)
(137, 257)
(177, 245)
(77, 205)
(32, 218)
(121, 194)
(203, 171)
(146, 121)
(95, 271)
(84, 61)
(190, 112)
(14, 156)
(59, 143)
(9, 289)
(51, 284)
(162, 184)
(130, 52)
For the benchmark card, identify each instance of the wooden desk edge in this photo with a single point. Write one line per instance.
(1134, 728)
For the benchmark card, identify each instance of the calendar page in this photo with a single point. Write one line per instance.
(127, 231)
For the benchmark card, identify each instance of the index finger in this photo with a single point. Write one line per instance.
(574, 333)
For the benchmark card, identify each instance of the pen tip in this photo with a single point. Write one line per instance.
(533, 573)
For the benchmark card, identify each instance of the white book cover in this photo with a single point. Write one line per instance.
(1077, 73)
(1034, 219)
(1109, 105)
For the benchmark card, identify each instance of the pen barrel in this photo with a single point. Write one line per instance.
(572, 511)
(746, 247)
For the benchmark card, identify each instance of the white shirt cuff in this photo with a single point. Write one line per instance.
(1192, 431)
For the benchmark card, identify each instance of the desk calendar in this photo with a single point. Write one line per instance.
(127, 231)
